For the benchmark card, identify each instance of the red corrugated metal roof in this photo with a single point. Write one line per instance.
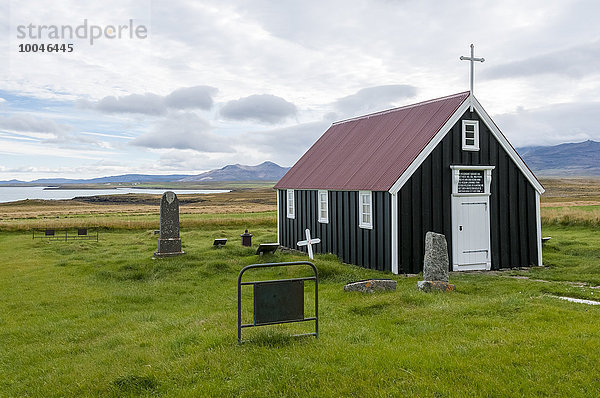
(371, 152)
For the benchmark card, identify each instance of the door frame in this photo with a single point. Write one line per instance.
(484, 197)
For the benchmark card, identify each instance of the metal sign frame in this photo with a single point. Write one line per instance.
(66, 234)
(275, 283)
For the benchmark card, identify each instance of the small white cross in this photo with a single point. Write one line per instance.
(309, 242)
(472, 59)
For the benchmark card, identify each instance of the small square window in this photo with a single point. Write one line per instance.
(470, 135)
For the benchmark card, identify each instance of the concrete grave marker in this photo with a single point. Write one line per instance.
(169, 243)
(435, 264)
(371, 285)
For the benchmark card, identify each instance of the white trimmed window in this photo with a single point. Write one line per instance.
(323, 206)
(470, 135)
(291, 207)
(365, 210)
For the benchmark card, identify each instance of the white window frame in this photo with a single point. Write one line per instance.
(361, 203)
(290, 204)
(323, 206)
(475, 124)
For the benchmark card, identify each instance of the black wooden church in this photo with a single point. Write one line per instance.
(371, 187)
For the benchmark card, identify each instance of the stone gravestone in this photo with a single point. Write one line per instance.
(169, 243)
(435, 264)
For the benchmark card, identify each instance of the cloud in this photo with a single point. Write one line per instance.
(373, 99)
(297, 51)
(199, 97)
(42, 129)
(192, 162)
(285, 145)
(264, 108)
(29, 123)
(148, 104)
(191, 97)
(552, 124)
(39, 152)
(574, 62)
(183, 131)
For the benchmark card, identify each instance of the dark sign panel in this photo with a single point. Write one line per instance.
(278, 301)
(265, 248)
(471, 181)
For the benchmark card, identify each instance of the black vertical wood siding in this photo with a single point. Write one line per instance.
(369, 248)
(424, 202)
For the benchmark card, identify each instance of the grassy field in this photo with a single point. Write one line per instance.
(571, 201)
(571, 189)
(135, 211)
(566, 202)
(104, 319)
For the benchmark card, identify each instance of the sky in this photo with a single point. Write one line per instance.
(191, 86)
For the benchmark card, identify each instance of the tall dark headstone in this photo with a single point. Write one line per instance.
(169, 243)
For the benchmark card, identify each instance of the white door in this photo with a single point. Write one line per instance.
(471, 233)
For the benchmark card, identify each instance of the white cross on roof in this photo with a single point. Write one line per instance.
(472, 59)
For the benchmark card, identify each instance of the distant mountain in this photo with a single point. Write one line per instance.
(267, 171)
(11, 182)
(581, 159)
(45, 181)
(125, 178)
(138, 178)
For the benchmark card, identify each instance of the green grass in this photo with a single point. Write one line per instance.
(586, 215)
(104, 319)
(138, 221)
(572, 254)
(589, 208)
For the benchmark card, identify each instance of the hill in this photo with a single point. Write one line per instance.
(580, 159)
(267, 171)
(125, 178)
